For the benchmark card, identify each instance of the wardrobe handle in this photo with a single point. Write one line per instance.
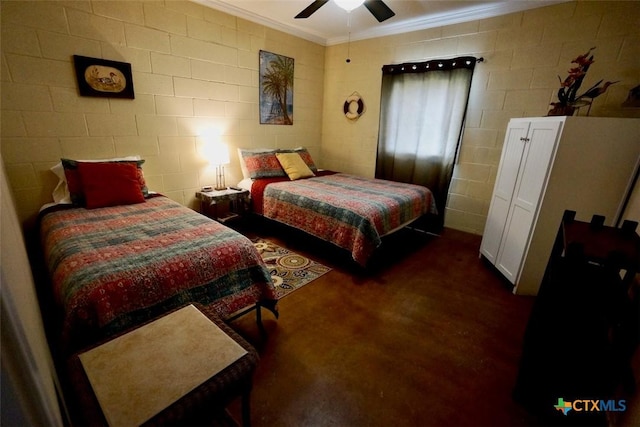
(523, 139)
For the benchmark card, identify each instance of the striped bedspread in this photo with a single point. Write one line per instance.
(349, 211)
(114, 268)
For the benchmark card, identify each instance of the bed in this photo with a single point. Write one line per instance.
(351, 212)
(116, 266)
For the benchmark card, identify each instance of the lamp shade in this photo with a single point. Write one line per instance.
(219, 154)
(348, 5)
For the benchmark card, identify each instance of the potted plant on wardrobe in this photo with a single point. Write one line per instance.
(569, 102)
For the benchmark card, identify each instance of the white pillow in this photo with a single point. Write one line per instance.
(61, 192)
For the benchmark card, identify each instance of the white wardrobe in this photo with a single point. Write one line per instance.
(548, 165)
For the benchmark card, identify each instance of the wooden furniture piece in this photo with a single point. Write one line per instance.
(204, 405)
(583, 328)
(224, 205)
(548, 165)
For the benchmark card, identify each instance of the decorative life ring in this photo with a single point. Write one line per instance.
(353, 107)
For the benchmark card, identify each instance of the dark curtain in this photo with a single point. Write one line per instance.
(422, 112)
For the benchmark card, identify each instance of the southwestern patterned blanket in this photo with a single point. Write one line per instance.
(349, 211)
(117, 267)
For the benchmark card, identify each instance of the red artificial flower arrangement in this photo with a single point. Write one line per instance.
(568, 93)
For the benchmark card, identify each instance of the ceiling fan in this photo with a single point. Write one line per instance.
(377, 8)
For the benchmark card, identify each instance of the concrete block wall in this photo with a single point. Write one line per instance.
(524, 55)
(194, 69)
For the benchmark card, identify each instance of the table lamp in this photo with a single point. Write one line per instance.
(219, 157)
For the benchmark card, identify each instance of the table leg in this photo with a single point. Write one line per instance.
(246, 407)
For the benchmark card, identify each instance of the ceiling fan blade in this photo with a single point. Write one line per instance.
(378, 9)
(309, 10)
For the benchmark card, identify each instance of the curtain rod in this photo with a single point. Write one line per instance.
(432, 65)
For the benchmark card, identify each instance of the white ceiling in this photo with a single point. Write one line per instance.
(331, 25)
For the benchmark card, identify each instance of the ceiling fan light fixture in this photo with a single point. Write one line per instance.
(348, 5)
(377, 8)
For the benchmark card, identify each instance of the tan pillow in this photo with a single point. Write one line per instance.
(294, 166)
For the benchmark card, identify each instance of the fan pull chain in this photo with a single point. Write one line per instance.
(349, 38)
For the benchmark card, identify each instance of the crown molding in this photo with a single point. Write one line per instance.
(440, 20)
(301, 32)
(429, 21)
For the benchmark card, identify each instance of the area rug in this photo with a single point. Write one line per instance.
(289, 270)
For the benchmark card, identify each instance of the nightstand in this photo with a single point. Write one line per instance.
(224, 205)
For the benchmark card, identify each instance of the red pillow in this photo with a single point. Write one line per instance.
(74, 184)
(110, 184)
(262, 165)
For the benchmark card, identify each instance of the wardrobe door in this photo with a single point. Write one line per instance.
(503, 190)
(539, 149)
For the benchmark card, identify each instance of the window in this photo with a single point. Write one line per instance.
(422, 112)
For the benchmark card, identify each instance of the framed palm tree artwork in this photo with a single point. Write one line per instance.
(276, 89)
